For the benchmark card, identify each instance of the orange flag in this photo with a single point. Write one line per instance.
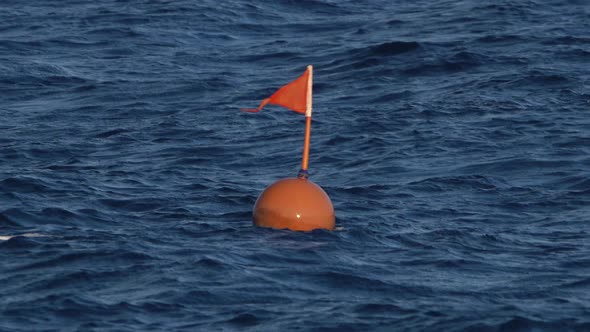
(294, 96)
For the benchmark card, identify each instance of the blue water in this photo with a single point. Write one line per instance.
(453, 138)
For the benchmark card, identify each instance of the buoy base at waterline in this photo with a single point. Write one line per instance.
(296, 204)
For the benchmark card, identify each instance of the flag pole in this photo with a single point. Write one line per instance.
(303, 173)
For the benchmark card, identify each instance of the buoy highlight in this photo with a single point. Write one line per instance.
(296, 204)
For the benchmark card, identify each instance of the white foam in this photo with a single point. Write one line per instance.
(8, 237)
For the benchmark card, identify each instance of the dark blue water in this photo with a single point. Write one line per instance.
(452, 136)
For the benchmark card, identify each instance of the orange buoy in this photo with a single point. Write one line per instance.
(294, 203)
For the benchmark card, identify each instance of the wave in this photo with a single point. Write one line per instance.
(388, 49)
(25, 185)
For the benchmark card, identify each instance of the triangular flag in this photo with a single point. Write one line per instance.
(293, 96)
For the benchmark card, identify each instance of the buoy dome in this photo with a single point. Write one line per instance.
(294, 203)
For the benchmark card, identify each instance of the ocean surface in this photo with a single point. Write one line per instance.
(453, 138)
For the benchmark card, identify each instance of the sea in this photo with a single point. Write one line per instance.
(453, 138)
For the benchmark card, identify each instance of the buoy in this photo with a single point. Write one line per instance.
(295, 203)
